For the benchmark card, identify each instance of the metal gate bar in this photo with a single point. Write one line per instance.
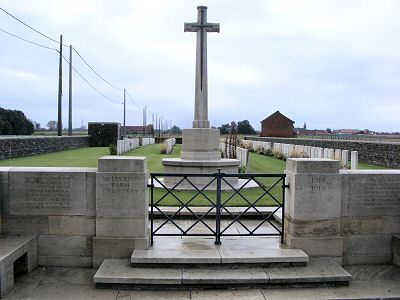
(218, 204)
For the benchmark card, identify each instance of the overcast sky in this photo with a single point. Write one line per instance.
(331, 64)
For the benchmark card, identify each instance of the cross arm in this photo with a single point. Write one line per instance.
(191, 27)
(212, 27)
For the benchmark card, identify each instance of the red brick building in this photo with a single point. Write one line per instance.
(277, 125)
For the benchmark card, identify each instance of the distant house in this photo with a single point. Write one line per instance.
(133, 130)
(277, 125)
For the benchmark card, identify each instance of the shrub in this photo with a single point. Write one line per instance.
(279, 155)
(242, 169)
(163, 149)
(259, 150)
(113, 149)
(268, 152)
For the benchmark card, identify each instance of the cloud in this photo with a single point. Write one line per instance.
(316, 61)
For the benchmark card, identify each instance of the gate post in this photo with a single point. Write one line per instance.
(218, 210)
(122, 204)
(313, 207)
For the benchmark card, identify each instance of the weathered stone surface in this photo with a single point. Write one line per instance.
(65, 261)
(176, 256)
(72, 225)
(326, 246)
(49, 191)
(104, 247)
(64, 245)
(362, 225)
(391, 224)
(248, 256)
(366, 259)
(379, 244)
(121, 195)
(372, 193)
(314, 228)
(121, 227)
(12, 248)
(312, 165)
(122, 164)
(200, 144)
(26, 224)
(396, 249)
(317, 270)
(224, 276)
(311, 193)
(121, 271)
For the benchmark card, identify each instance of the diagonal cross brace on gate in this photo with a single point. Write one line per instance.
(253, 192)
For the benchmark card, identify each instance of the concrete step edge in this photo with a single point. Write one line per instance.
(113, 271)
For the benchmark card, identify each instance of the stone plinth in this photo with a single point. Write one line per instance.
(178, 165)
(200, 144)
(200, 155)
(313, 206)
(121, 207)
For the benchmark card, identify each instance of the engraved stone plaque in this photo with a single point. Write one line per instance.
(374, 194)
(49, 193)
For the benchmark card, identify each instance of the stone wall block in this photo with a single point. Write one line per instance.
(72, 225)
(64, 245)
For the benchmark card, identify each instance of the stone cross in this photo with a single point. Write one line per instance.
(201, 94)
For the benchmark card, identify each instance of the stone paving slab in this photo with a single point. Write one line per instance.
(120, 271)
(176, 256)
(202, 251)
(317, 270)
(114, 271)
(224, 276)
(50, 283)
(230, 256)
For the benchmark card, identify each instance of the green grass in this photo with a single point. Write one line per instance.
(371, 167)
(154, 158)
(88, 157)
(257, 164)
(82, 157)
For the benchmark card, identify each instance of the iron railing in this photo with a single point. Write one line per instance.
(217, 193)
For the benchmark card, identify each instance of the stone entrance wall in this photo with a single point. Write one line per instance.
(80, 215)
(351, 215)
(83, 215)
(58, 205)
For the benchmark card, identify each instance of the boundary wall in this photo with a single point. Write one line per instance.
(385, 154)
(18, 146)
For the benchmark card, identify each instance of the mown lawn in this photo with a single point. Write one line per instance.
(88, 157)
(82, 157)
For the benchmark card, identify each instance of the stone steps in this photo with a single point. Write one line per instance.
(318, 272)
(218, 257)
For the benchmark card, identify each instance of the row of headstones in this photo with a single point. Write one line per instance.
(291, 150)
(241, 154)
(170, 143)
(126, 145)
(147, 141)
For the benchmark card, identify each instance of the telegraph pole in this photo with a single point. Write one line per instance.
(124, 114)
(59, 124)
(152, 124)
(70, 93)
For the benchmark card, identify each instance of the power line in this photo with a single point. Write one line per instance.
(109, 83)
(28, 41)
(91, 85)
(133, 101)
(30, 27)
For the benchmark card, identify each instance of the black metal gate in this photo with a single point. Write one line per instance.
(258, 195)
